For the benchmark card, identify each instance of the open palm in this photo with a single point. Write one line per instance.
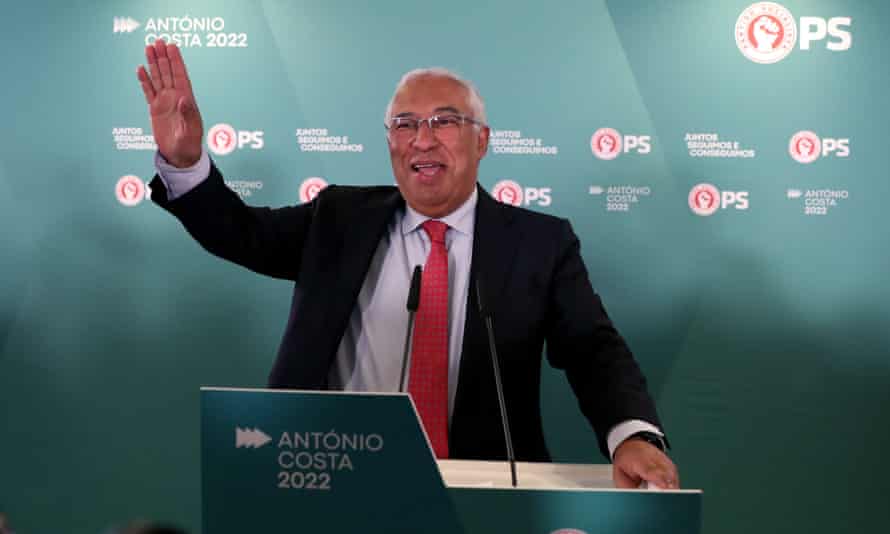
(175, 119)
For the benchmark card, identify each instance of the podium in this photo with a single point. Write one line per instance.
(308, 461)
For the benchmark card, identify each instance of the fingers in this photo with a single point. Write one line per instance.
(629, 476)
(167, 70)
(147, 88)
(177, 66)
(164, 63)
(159, 65)
(152, 58)
(636, 460)
(663, 475)
(623, 480)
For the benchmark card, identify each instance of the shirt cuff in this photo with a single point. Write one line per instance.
(180, 181)
(622, 431)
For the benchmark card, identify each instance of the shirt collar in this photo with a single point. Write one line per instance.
(461, 219)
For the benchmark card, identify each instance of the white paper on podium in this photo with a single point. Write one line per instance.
(530, 475)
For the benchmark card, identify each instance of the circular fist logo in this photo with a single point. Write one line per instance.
(311, 187)
(704, 199)
(507, 192)
(606, 143)
(129, 190)
(805, 147)
(765, 32)
(222, 139)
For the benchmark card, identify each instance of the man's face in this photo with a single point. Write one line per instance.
(436, 174)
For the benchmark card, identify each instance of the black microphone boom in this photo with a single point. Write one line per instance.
(413, 304)
(414, 291)
(485, 312)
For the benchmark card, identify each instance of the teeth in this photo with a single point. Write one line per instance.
(427, 169)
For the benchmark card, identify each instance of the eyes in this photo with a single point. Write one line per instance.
(444, 126)
(435, 122)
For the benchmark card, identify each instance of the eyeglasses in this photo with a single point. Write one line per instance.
(444, 127)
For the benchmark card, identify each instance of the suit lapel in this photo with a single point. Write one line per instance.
(365, 229)
(362, 230)
(495, 243)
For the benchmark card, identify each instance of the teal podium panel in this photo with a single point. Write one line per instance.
(290, 461)
(305, 461)
(534, 511)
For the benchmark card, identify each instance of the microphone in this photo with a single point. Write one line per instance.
(485, 312)
(412, 305)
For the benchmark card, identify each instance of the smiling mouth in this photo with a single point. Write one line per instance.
(427, 169)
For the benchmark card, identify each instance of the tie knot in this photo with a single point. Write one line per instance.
(436, 230)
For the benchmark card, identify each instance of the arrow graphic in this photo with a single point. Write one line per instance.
(250, 438)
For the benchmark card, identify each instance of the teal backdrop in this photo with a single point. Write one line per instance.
(763, 327)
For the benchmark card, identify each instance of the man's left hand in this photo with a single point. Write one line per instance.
(636, 461)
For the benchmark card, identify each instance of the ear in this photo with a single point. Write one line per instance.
(482, 140)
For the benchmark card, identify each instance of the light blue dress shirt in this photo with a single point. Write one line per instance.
(370, 354)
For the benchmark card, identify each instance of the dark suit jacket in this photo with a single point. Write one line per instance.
(534, 279)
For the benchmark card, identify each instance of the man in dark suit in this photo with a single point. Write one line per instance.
(350, 253)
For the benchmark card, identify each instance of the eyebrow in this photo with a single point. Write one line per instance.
(451, 109)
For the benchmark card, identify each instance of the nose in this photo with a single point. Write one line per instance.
(425, 138)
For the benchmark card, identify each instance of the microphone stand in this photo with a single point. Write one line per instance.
(486, 317)
(412, 305)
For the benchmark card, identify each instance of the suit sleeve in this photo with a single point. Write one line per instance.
(582, 340)
(267, 241)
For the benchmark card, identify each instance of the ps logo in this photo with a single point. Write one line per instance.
(817, 29)
(766, 32)
(223, 139)
(130, 190)
(807, 147)
(705, 199)
(607, 143)
(311, 187)
(510, 192)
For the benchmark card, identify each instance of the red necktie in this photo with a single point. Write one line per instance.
(428, 382)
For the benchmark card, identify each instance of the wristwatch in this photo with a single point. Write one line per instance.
(652, 438)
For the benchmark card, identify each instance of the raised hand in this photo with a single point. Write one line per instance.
(175, 119)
